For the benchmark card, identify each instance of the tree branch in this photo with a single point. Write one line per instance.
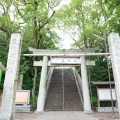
(3, 8)
(52, 6)
(27, 3)
(18, 11)
(57, 3)
(102, 10)
(2, 29)
(72, 37)
(47, 20)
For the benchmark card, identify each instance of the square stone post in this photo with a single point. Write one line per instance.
(42, 87)
(85, 86)
(114, 46)
(11, 76)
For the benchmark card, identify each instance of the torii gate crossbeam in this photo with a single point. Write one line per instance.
(68, 55)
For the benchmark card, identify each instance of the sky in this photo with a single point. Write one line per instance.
(66, 40)
(63, 2)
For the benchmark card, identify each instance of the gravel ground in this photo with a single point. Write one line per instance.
(66, 115)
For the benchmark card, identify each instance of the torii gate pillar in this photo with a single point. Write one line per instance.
(85, 86)
(41, 96)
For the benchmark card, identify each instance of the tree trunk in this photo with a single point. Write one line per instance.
(85, 42)
(34, 86)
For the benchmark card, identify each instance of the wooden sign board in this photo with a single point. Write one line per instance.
(104, 94)
(22, 97)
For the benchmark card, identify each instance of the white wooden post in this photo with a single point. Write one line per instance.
(114, 46)
(10, 83)
(85, 86)
(41, 96)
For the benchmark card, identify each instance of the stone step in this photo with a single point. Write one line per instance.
(54, 101)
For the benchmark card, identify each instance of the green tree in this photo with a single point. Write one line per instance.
(34, 20)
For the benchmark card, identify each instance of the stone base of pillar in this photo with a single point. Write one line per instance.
(40, 112)
(88, 111)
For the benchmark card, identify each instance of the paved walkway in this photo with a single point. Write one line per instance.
(65, 115)
(71, 115)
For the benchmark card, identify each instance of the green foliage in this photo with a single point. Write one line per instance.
(99, 72)
(37, 21)
(94, 101)
(3, 54)
(34, 20)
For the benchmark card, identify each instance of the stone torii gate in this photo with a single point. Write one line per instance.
(63, 59)
(7, 110)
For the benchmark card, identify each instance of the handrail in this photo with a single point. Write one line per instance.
(78, 78)
(79, 85)
(49, 76)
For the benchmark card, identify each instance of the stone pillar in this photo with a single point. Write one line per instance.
(41, 96)
(20, 82)
(114, 46)
(11, 77)
(85, 86)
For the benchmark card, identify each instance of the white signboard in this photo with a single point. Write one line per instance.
(65, 61)
(22, 97)
(104, 94)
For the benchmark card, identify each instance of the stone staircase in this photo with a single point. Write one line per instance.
(63, 93)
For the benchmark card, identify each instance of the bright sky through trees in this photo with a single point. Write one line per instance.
(66, 39)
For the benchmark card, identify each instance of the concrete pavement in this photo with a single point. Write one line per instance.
(71, 115)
